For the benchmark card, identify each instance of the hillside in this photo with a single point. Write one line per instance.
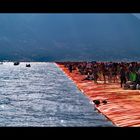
(62, 37)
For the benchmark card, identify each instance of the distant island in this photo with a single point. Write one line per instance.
(69, 37)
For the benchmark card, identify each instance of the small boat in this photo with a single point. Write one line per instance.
(28, 65)
(16, 63)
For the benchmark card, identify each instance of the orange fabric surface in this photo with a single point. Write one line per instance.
(123, 106)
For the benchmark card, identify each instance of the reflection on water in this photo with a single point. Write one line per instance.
(42, 95)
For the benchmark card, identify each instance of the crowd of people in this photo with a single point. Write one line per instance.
(126, 73)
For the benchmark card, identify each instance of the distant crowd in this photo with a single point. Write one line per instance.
(126, 73)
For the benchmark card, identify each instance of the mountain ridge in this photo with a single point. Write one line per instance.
(69, 37)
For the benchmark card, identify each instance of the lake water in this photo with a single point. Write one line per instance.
(42, 95)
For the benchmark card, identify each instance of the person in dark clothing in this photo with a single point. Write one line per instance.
(138, 78)
(122, 76)
(95, 73)
(70, 68)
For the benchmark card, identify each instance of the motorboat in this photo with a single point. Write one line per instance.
(16, 63)
(28, 65)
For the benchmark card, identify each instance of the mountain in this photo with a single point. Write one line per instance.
(64, 37)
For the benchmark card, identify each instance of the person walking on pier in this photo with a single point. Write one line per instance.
(122, 76)
(70, 68)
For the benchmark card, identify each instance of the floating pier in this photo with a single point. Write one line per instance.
(122, 107)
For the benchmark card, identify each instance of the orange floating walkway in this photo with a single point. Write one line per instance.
(123, 106)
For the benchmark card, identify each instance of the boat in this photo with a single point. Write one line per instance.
(28, 65)
(16, 63)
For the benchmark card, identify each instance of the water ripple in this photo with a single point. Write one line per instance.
(43, 96)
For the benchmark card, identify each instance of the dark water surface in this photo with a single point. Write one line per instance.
(43, 96)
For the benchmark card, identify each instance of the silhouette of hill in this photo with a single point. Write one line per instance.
(64, 37)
